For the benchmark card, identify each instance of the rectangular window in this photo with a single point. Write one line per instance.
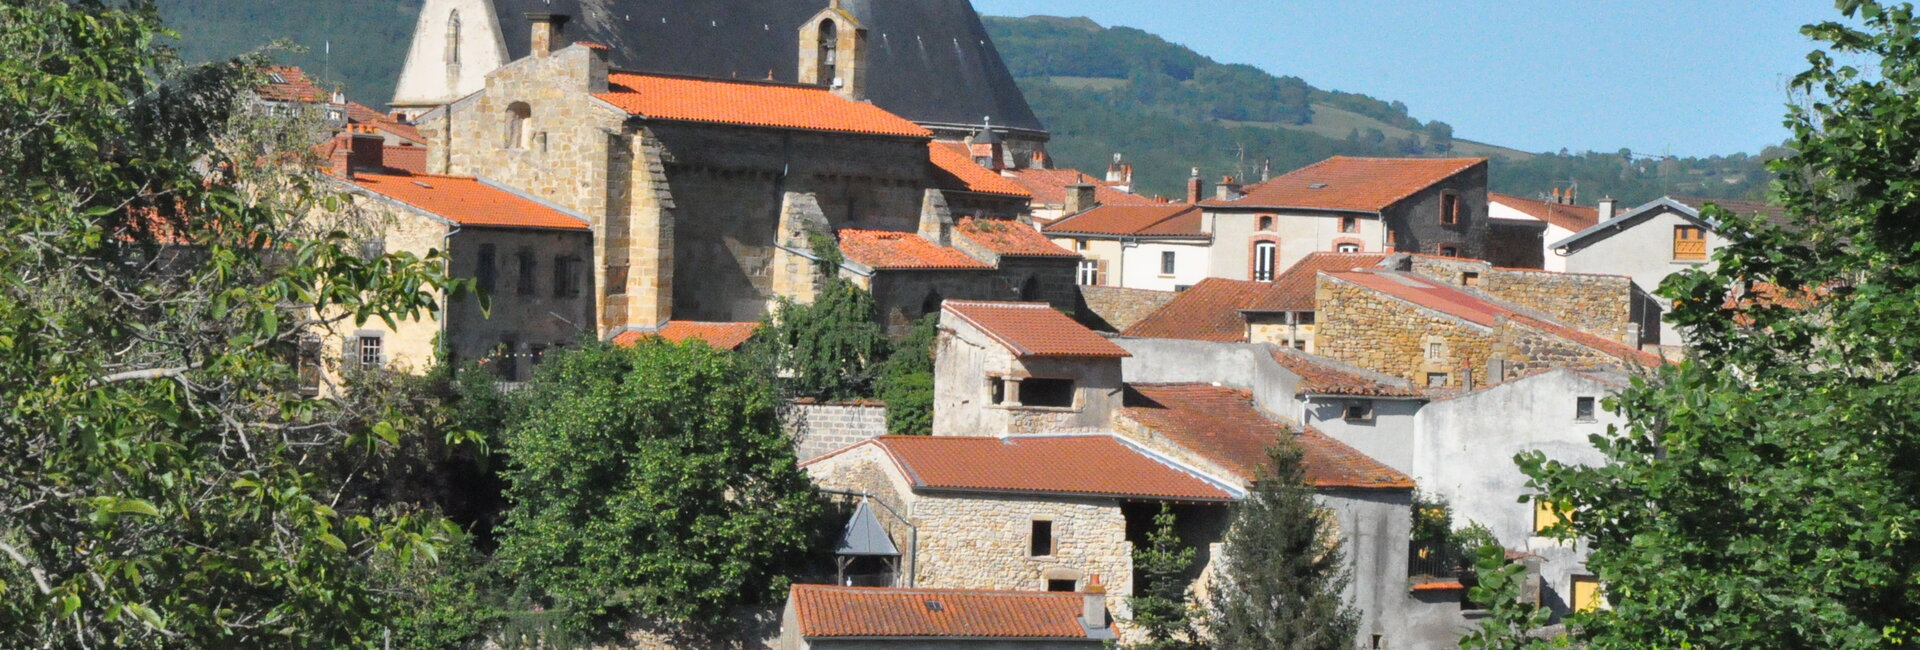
(1063, 585)
(369, 351)
(1583, 409)
(1166, 263)
(1586, 594)
(307, 366)
(1470, 279)
(1689, 243)
(483, 268)
(1450, 209)
(1041, 541)
(526, 263)
(1449, 251)
(1546, 515)
(1089, 273)
(1303, 318)
(1436, 351)
(566, 276)
(1436, 380)
(1300, 344)
(1046, 392)
(506, 362)
(997, 390)
(1349, 224)
(1263, 261)
(1358, 411)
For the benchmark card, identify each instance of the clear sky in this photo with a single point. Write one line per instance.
(1687, 77)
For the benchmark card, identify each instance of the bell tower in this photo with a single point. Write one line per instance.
(833, 52)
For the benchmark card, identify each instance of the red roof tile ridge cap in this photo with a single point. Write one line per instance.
(939, 590)
(730, 80)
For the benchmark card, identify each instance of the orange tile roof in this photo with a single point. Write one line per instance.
(1446, 299)
(1209, 311)
(361, 114)
(1049, 187)
(1223, 424)
(720, 336)
(1010, 238)
(1293, 290)
(749, 103)
(412, 160)
(956, 171)
(1033, 329)
(296, 87)
(466, 201)
(1351, 184)
(1082, 465)
(1322, 376)
(887, 249)
(1571, 217)
(824, 611)
(1157, 220)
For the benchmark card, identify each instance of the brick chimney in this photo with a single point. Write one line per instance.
(1093, 614)
(546, 31)
(1194, 187)
(1080, 198)
(369, 150)
(1607, 208)
(340, 163)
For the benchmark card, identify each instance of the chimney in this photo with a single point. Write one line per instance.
(340, 162)
(1113, 170)
(1094, 612)
(1607, 207)
(546, 31)
(1556, 196)
(368, 150)
(1039, 160)
(1229, 189)
(1080, 198)
(1194, 186)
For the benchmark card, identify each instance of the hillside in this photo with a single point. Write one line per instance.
(1100, 90)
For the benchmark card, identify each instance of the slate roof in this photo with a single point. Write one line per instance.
(1224, 425)
(1446, 299)
(929, 60)
(955, 170)
(1571, 217)
(1010, 238)
(720, 336)
(1152, 220)
(825, 611)
(1351, 184)
(467, 201)
(864, 535)
(887, 249)
(1323, 376)
(1074, 465)
(1034, 329)
(751, 103)
(1049, 187)
(1208, 311)
(1293, 289)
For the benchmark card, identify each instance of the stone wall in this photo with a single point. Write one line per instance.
(1600, 304)
(1114, 309)
(819, 429)
(1527, 348)
(1415, 221)
(1384, 334)
(982, 541)
(1516, 245)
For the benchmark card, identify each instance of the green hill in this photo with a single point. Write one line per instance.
(1100, 90)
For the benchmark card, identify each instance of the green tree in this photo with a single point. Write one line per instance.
(830, 349)
(1283, 576)
(1162, 608)
(1510, 621)
(159, 474)
(906, 382)
(1764, 493)
(652, 480)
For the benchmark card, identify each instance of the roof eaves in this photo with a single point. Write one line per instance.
(584, 219)
(362, 190)
(1621, 222)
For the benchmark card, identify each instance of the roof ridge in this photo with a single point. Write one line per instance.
(940, 590)
(734, 80)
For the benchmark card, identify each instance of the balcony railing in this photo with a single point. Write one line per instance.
(1437, 561)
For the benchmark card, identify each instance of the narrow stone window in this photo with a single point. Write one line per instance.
(997, 388)
(1583, 409)
(519, 125)
(1450, 209)
(1040, 542)
(524, 259)
(453, 38)
(483, 268)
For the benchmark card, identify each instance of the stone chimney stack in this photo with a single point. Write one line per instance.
(1607, 208)
(1080, 198)
(546, 31)
(1094, 612)
(341, 161)
(1229, 189)
(1194, 187)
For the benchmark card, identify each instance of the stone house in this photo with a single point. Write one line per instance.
(1559, 217)
(826, 617)
(1653, 241)
(1280, 312)
(1345, 204)
(1003, 368)
(526, 254)
(1156, 246)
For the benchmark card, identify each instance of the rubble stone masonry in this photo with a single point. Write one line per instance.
(1385, 334)
(1599, 304)
(820, 429)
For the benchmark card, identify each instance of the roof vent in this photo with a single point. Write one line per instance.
(934, 606)
(423, 184)
(1317, 186)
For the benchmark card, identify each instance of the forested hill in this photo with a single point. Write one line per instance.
(1100, 90)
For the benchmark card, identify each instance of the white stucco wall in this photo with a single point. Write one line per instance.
(1140, 266)
(1299, 233)
(1388, 437)
(1643, 252)
(427, 78)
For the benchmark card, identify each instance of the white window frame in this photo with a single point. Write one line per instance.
(1265, 254)
(1089, 272)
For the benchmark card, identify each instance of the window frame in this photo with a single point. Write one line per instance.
(369, 349)
(1168, 262)
(1364, 411)
(1698, 240)
(1450, 208)
(1585, 409)
(1039, 530)
(1266, 257)
(1068, 387)
(1349, 224)
(1088, 272)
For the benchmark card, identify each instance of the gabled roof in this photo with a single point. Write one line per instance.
(751, 103)
(467, 201)
(1065, 465)
(1033, 329)
(720, 336)
(1687, 207)
(1323, 376)
(1049, 187)
(1446, 299)
(1208, 311)
(1350, 184)
(864, 535)
(1010, 238)
(828, 611)
(1571, 217)
(1294, 289)
(287, 83)
(892, 250)
(955, 170)
(1153, 220)
(360, 114)
(1224, 425)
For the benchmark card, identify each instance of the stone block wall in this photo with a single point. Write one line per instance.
(1527, 348)
(1447, 270)
(819, 429)
(1384, 334)
(1517, 245)
(1115, 309)
(983, 542)
(1415, 221)
(1599, 304)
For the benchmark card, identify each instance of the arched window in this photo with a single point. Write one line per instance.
(1264, 254)
(829, 51)
(1030, 290)
(931, 304)
(453, 38)
(519, 127)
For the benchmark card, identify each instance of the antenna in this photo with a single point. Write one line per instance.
(1240, 166)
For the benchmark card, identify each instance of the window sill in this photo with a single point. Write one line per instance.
(1690, 262)
(1586, 420)
(1042, 409)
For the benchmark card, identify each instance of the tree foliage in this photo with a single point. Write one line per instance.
(1163, 608)
(906, 381)
(652, 480)
(1765, 493)
(830, 349)
(1283, 576)
(1510, 622)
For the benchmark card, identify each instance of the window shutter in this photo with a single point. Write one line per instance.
(1100, 272)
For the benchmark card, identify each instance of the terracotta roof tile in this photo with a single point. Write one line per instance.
(1434, 295)
(1049, 187)
(1033, 329)
(720, 336)
(1294, 289)
(1010, 238)
(1160, 219)
(887, 249)
(1090, 465)
(751, 104)
(1209, 311)
(1353, 184)
(358, 113)
(1323, 376)
(412, 160)
(1571, 217)
(290, 84)
(1223, 424)
(823, 611)
(955, 170)
(466, 201)
(1735, 206)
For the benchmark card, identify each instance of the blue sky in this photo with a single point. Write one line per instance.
(1687, 77)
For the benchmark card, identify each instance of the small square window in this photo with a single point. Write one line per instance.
(370, 351)
(1041, 539)
(1349, 224)
(1063, 585)
(1266, 223)
(1449, 251)
(1358, 411)
(1583, 409)
(1436, 380)
(1470, 279)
